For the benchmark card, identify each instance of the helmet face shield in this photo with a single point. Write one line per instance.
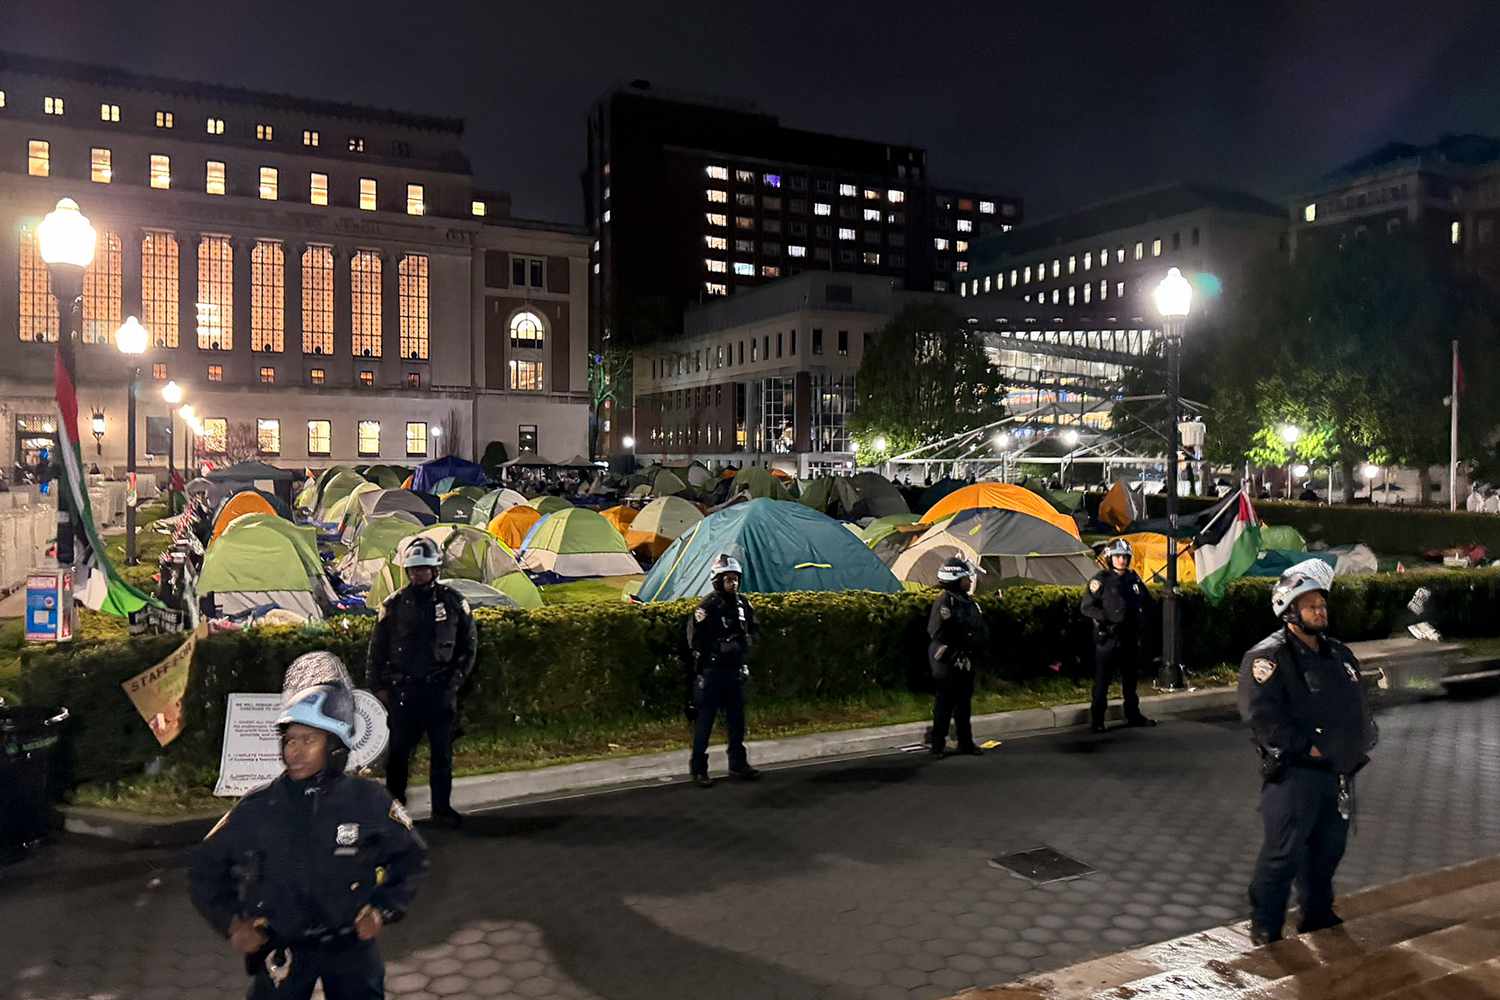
(1308, 576)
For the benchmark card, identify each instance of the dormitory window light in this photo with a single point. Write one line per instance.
(263, 132)
(109, 113)
(309, 137)
(164, 119)
(215, 126)
(52, 105)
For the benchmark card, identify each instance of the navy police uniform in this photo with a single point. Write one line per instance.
(1118, 604)
(421, 652)
(1298, 698)
(719, 633)
(958, 637)
(302, 859)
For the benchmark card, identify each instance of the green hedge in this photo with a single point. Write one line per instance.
(590, 662)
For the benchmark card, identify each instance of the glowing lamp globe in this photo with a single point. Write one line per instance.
(65, 236)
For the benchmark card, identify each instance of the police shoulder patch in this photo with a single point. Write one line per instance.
(1262, 669)
(701, 615)
(945, 612)
(398, 813)
(1094, 585)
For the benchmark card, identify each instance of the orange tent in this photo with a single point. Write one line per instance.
(511, 527)
(406, 483)
(1003, 496)
(243, 502)
(620, 517)
(781, 475)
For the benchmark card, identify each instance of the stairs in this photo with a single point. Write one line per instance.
(1434, 936)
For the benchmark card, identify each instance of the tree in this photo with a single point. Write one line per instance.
(241, 443)
(451, 441)
(609, 382)
(925, 376)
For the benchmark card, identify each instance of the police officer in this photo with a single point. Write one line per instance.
(1301, 692)
(719, 633)
(303, 874)
(1117, 602)
(958, 639)
(421, 652)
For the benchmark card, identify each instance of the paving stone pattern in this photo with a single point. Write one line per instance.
(861, 879)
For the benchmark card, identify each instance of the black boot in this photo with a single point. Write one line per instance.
(1260, 936)
(1140, 722)
(703, 781)
(746, 773)
(1097, 727)
(1318, 922)
(448, 816)
(971, 751)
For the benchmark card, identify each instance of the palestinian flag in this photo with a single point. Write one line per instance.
(1227, 546)
(96, 583)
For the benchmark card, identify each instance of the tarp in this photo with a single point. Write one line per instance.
(243, 502)
(1149, 557)
(578, 542)
(480, 595)
(760, 483)
(467, 553)
(1000, 496)
(462, 473)
(512, 525)
(621, 517)
(1122, 506)
(659, 523)
(782, 547)
(496, 502)
(548, 504)
(1009, 545)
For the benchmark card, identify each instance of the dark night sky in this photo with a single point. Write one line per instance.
(1062, 102)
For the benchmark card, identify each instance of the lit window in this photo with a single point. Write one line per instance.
(366, 378)
(526, 332)
(416, 438)
(772, 180)
(38, 158)
(416, 202)
(1088, 259)
(796, 251)
(268, 184)
(895, 197)
(846, 234)
(870, 257)
(52, 105)
(1104, 256)
(1072, 264)
(1013, 276)
(2, 98)
(215, 294)
(961, 246)
(1056, 295)
(109, 112)
(1088, 294)
(263, 132)
(161, 172)
(309, 137)
(164, 119)
(872, 215)
(744, 222)
(476, 208)
(356, 144)
(214, 177)
(215, 435)
(716, 242)
(268, 432)
(962, 265)
(38, 314)
(1056, 267)
(369, 437)
(964, 225)
(411, 279)
(317, 299)
(267, 375)
(716, 196)
(364, 287)
(716, 219)
(1310, 212)
(1028, 274)
(159, 371)
(744, 176)
(1072, 295)
(101, 291)
(317, 189)
(1455, 233)
(1140, 250)
(608, 214)
(1119, 289)
(267, 296)
(317, 376)
(716, 266)
(770, 271)
(525, 376)
(986, 284)
(871, 194)
(160, 287)
(216, 126)
(715, 288)
(1103, 290)
(99, 171)
(744, 269)
(940, 243)
(848, 190)
(1156, 248)
(367, 194)
(319, 433)
(215, 374)
(822, 208)
(716, 173)
(987, 208)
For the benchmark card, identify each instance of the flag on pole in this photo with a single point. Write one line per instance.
(97, 584)
(1227, 546)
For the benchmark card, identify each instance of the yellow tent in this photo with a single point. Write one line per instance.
(511, 526)
(1002, 496)
(243, 502)
(620, 517)
(1149, 557)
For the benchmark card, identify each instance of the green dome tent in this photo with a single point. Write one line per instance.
(1008, 545)
(759, 482)
(577, 542)
(264, 561)
(782, 547)
(667, 483)
(493, 504)
(456, 508)
(468, 553)
(548, 504)
(378, 538)
(332, 497)
(387, 477)
(355, 511)
(882, 526)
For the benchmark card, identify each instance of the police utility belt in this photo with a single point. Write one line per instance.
(437, 678)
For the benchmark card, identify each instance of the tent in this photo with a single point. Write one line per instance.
(512, 525)
(480, 595)
(888, 547)
(1122, 506)
(667, 483)
(548, 504)
(353, 513)
(262, 562)
(387, 477)
(577, 462)
(1346, 560)
(1149, 557)
(819, 494)
(245, 502)
(467, 553)
(378, 538)
(493, 503)
(530, 460)
(424, 506)
(337, 488)
(853, 497)
(782, 547)
(759, 482)
(621, 517)
(456, 508)
(882, 526)
(462, 473)
(659, 523)
(577, 542)
(1008, 545)
(216, 493)
(695, 474)
(1282, 536)
(938, 490)
(1002, 496)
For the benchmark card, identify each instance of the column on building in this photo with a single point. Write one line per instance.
(187, 313)
(391, 362)
(802, 412)
(293, 368)
(341, 362)
(240, 366)
(130, 277)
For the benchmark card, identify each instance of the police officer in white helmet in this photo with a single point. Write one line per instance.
(958, 641)
(1118, 603)
(719, 633)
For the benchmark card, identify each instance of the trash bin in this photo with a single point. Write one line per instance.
(29, 740)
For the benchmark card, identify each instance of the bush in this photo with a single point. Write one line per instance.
(586, 663)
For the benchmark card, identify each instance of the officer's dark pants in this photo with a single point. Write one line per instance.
(955, 696)
(1115, 655)
(352, 973)
(719, 688)
(418, 710)
(1305, 837)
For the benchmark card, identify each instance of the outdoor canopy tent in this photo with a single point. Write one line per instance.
(760, 483)
(1001, 496)
(1008, 545)
(262, 562)
(577, 542)
(467, 553)
(782, 547)
(245, 502)
(493, 503)
(530, 460)
(621, 517)
(548, 504)
(659, 523)
(463, 473)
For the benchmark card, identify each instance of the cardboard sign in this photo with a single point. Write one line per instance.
(157, 692)
(251, 755)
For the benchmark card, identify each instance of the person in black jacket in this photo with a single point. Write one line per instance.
(958, 639)
(719, 633)
(1117, 602)
(1301, 692)
(303, 874)
(421, 652)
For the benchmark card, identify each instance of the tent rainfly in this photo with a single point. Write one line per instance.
(577, 542)
(1008, 545)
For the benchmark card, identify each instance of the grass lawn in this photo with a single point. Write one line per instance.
(150, 544)
(603, 588)
(1489, 647)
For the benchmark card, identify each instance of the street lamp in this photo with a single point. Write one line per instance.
(880, 444)
(1174, 299)
(1070, 438)
(1290, 433)
(171, 394)
(628, 442)
(131, 338)
(96, 424)
(65, 241)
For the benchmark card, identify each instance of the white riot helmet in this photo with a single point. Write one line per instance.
(421, 551)
(954, 569)
(1304, 578)
(725, 564)
(1119, 547)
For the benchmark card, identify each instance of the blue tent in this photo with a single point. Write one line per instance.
(782, 547)
(462, 473)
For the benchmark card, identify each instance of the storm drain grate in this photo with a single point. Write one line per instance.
(1042, 865)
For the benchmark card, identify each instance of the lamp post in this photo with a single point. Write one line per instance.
(437, 441)
(1290, 433)
(66, 243)
(96, 424)
(131, 338)
(1174, 298)
(171, 394)
(189, 440)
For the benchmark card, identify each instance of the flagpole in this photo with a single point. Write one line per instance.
(1453, 435)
